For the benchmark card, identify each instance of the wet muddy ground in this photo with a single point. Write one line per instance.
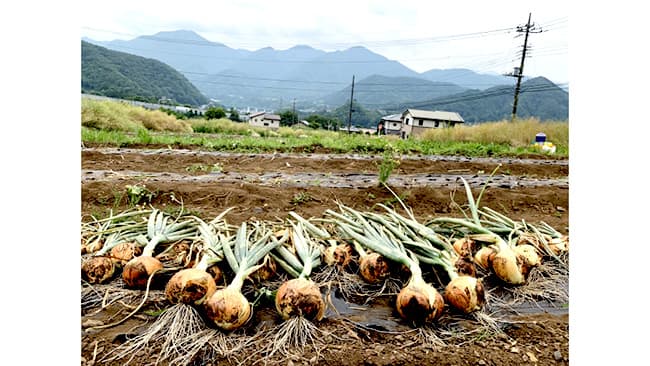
(268, 186)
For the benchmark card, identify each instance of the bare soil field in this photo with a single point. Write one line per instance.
(269, 186)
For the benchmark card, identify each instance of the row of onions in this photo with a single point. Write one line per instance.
(385, 242)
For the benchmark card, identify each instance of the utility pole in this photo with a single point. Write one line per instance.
(350, 112)
(519, 72)
(294, 111)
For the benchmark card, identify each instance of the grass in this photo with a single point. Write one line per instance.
(122, 125)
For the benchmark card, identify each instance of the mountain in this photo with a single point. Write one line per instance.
(316, 80)
(266, 75)
(184, 50)
(538, 97)
(379, 90)
(467, 78)
(122, 75)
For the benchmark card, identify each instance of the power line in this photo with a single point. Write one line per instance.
(376, 43)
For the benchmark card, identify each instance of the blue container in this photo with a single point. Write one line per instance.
(540, 138)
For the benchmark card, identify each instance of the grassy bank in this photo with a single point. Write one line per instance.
(118, 124)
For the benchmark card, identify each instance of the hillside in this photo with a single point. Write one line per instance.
(538, 97)
(377, 91)
(467, 78)
(122, 75)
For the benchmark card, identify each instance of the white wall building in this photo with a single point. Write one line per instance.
(263, 119)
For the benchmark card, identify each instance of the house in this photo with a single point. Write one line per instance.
(416, 121)
(390, 125)
(263, 119)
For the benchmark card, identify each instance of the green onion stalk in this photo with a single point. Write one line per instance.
(137, 271)
(333, 252)
(228, 308)
(418, 302)
(93, 233)
(299, 296)
(195, 285)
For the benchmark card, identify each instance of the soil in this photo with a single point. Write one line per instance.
(268, 186)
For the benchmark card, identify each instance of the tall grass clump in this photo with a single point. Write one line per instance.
(223, 126)
(521, 133)
(117, 116)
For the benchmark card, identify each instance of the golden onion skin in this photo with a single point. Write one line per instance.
(340, 255)
(464, 247)
(529, 253)
(124, 252)
(98, 269)
(507, 266)
(465, 293)
(373, 268)
(465, 266)
(419, 303)
(190, 286)
(484, 257)
(300, 297)
(137, 271)
(228, 309)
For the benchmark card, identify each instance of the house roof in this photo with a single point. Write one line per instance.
(273, 117)
(392, 118)
(255, 114)
(435, 115)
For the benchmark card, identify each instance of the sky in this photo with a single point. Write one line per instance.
(422, 35)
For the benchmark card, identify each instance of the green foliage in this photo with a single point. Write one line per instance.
(138, 193)
(214, 113)
(288, 118)
(122, 75)
(234, 115)
(390, 160)
(214, 168)
(301, 197)
(323, 122)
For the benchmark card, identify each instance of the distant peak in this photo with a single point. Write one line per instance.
(301, 47)
(182, 35)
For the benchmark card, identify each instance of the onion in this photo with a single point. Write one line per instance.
(465, 293)
(418, 302)
(300, 297)
(190, 286)
(137, 271)
(485, 256)
(228, 308)
(98, 269)
(338, 255)
(124, 252)
(507, 265)
(373, 268)
(267, 270)
(195, 285)
(559, 245)
(529, 254)
(465, 247)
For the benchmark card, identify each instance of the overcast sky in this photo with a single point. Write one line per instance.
(422, 35)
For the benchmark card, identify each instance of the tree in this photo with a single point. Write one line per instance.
(288, 118)
(214, 113)
(234, 115)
